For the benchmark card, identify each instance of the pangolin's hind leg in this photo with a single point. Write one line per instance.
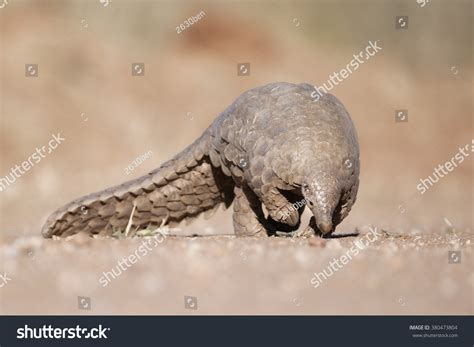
(248, 216)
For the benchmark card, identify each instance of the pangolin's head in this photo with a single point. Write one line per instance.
(330, 193)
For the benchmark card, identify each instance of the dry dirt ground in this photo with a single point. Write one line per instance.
(86, 92)
(405, 273)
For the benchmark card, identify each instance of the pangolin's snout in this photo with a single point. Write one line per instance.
(323, 220)
(325, 227)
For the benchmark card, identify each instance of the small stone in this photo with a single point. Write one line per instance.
(317, 242)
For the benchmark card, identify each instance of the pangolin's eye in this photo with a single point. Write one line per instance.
(306, 188)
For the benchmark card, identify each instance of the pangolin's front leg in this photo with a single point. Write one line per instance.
(282, 212)
(248, 215)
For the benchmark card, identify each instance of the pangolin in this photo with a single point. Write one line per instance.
(273, 151)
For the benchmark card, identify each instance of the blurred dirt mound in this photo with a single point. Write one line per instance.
(227, 37)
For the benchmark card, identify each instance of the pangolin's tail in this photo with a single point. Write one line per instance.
(183, 187)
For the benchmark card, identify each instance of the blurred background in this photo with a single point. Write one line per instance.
(85, 90)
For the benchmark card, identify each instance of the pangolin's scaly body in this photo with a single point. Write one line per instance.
(274, 146)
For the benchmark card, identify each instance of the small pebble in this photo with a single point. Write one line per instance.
(317, 242)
